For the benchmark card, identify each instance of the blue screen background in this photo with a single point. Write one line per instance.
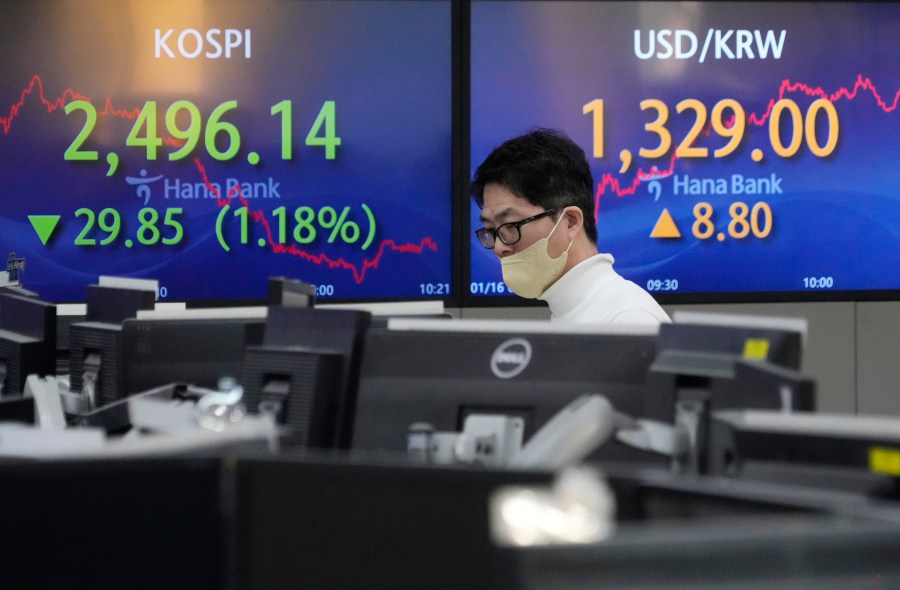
(837, 218)
(386, 66)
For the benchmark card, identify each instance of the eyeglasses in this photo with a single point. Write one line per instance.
(509, 233)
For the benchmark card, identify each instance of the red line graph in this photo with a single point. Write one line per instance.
(862, 83)
(320, 259)
(35, 91)
(51, 105)
(608, 180)
(37, 85)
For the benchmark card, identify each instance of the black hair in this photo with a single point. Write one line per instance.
(544, 167)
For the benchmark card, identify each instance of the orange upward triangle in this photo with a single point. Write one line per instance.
(665, 227)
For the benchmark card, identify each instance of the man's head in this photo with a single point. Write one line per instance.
(530, 188)
(545, 168)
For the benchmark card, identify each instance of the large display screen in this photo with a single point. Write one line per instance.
(213, 144)
(741, 150)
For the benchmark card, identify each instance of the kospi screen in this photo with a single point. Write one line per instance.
(213, 144)
(740, 150)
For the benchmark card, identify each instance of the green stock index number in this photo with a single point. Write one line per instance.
(184, 123)
(149, 233)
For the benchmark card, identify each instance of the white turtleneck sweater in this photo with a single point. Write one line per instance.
(592, 292)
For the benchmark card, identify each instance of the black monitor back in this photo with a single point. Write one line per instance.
(158, 522)
(728, 366)
(783, 347)
(104, 340)
(441, 376)
(291, 293)
(27, 340)
(337, 331)
(316, 524)
(300, 387)
(113, 305)
(199, 351)
(100, 333)
(63, 325)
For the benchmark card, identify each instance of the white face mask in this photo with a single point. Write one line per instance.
(530, 272)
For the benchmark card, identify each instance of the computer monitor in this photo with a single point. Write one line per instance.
(291, 292)
(727, 362)
(378, 524)
(439, 372)
(846, 452)
(184, 348)
(95, 344)
(200, 345)
(27, 341)
(307, 371)
(778, 340)
(299, 386)
(113, 304)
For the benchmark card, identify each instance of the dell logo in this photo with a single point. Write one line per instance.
(511, 358)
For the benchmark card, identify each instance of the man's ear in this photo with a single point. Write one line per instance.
(574, 219)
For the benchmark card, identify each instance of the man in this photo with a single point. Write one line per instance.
(536, 198)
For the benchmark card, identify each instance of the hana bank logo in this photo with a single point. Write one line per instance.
(511, 358)
(147, 187)
(142, 185)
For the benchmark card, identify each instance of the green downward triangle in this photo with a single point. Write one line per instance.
(44, 225)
